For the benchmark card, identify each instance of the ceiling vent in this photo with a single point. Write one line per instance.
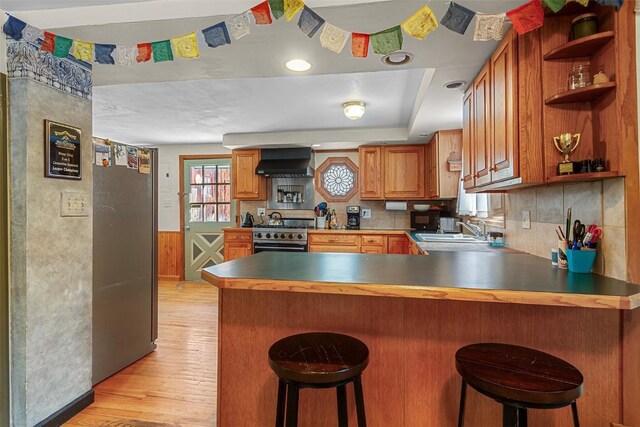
(456, 84)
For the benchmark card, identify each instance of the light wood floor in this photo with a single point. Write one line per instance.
(176, 384)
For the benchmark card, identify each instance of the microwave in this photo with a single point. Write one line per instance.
(425, 220)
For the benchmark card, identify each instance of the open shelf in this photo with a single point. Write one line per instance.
(585, 46)
(583, 94)
(583, 177)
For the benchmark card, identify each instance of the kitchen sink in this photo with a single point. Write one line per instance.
(448, 238)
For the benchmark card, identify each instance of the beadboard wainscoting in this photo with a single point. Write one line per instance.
(170, 255)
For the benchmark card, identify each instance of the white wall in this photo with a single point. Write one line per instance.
(3, 47)
(169, 180)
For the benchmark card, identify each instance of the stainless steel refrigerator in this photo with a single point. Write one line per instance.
(125, 266)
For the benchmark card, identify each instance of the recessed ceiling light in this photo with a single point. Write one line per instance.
(354, 110)
(298, 65)
(455, 84)
(397, 58)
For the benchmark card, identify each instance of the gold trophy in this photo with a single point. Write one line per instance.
(566, 144)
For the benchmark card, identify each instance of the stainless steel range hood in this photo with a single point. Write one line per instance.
(286, 163)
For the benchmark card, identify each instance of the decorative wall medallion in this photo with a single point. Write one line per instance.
(337, 179)
(69, 75)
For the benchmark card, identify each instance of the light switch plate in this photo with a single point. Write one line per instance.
(74, 204)
(262, 211)
(366, 213)
(526, 219)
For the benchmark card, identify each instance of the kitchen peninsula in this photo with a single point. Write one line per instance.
(414, 312)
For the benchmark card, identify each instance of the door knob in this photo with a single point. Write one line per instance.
(187, 227)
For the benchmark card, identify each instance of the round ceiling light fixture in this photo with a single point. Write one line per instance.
(354, 110)
(298, 65)
(456, 84)
(397, 58)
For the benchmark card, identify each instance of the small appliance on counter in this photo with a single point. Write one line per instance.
(448, 225)
(247, 221)
(353, 217)
(426, 220)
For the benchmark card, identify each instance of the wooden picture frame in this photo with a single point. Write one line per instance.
(62, 151)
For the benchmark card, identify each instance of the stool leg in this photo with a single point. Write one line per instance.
(513, 417)
(343, 416)
(282, 395)
(292, 406)
(357, 388)
(574, 411)
(463, 399)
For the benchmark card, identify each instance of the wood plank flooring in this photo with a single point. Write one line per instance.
(176, 384)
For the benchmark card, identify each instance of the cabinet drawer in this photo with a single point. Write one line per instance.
(372, 250)
(337, 248)
(235, 236)
(334, 239)
(372, 240)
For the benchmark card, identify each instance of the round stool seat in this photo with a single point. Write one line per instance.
(318, 358)
(519, 374)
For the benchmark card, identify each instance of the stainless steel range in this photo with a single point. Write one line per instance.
(280, 238)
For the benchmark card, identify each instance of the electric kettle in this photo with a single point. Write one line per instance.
(248, 220)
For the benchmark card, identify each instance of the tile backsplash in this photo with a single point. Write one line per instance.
(599, 202)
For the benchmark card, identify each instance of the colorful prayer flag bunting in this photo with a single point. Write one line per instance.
(104, 53)
(458, 18)
(217, 35)
(527, 17)
(83, 50)
(616, 3)
(186, 46)
(13, 27)
(144, 52)
(32, 34)
(162, 51)
(333, 38)
(555, 5)
(489, 27)
(584, 3)
(291, 8)
(359, 45)
(261, 13)
(239, 26)
(49, 42)
(125, 55)
(309, 22)
(386, 41)
(420, 23)
(62, 46)
(277, 8)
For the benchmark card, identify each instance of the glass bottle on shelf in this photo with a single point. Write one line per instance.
(580, 76)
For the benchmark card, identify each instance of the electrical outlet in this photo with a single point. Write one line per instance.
(526, 219)
(262, 211)
(74, 204)
(366, 213)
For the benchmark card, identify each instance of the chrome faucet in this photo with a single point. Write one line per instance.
(474, 229)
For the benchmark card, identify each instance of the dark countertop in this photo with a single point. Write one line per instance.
(475, 276)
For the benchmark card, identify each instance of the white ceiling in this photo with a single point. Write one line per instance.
(245, 88)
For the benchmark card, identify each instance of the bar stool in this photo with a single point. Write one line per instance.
(318, 360)
(518, 378)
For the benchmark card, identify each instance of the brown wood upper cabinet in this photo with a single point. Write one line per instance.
(392, 172)
(245, 183)
(482, 126)
(468, 167)
(444, 146)
(370, 172)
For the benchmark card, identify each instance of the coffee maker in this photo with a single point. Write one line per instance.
(353, 217)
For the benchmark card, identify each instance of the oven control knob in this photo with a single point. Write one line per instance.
(268, 236)
(282, 236)
(290, 236)
(259, 235)
(299, 236)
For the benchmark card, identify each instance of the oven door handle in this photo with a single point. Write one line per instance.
(295, 248)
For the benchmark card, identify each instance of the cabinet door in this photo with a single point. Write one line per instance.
(398, 245)
(404, 176)
(468, 155)
(433, 181)
(246, 184)
(370, 173)
(449, 147)
(236, 250)
(482, 126)
(503, 110)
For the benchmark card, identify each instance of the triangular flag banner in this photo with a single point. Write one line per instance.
(239, 26)
(420, 23)
(13, 28)
(277, 8)
(261, 13)
(144, 52)
(359, 45)
(104, 53)
(488, 27)
(309, 22)
(49, 42)
(555, 5)
(387, 41)
(333, 38)
(527, 17)
(458, 18)
(162, 51)
(217, 35)
(615, 3)
(291, 8)
(125, 55)
(32, 34)
(584, 3)
(62, 46)
(186, 46)
(83, 50)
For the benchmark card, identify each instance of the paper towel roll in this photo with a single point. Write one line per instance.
(396, 206)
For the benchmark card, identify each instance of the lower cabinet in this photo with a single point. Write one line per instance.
(237, 244)
(398, 245)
